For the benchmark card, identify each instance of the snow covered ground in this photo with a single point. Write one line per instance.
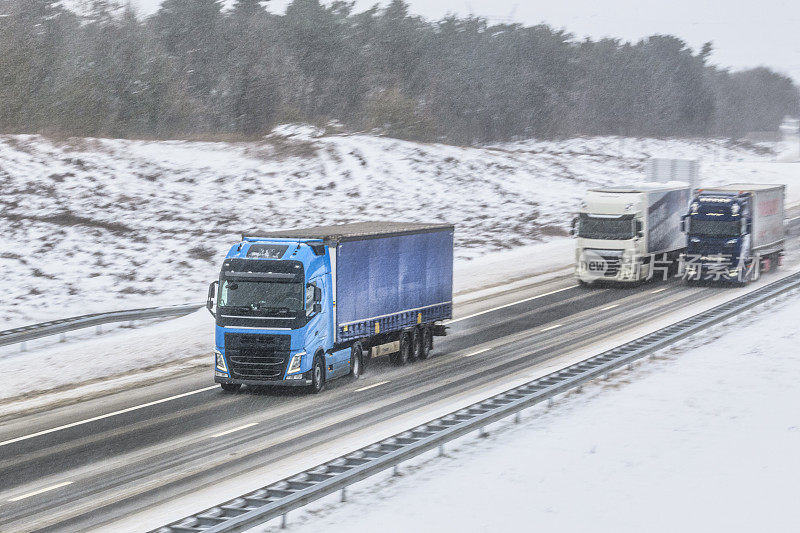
(702, 438)
(99, 224)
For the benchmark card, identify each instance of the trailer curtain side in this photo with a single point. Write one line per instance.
(386, 284)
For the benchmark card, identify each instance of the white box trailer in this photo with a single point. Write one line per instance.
(621, 231)
(665, 170)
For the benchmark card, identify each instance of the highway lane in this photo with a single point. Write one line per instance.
(162, 422)
(127, 462)
(170, 449)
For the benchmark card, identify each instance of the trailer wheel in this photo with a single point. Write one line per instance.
(402, 357)
(317, 375)
(427, 343)
(416, 344)
(356, 361)
(230, 387)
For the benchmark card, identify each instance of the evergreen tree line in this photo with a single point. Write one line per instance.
(196, 69)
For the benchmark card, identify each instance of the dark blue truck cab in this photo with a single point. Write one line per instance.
(734, 232)
(299, 307)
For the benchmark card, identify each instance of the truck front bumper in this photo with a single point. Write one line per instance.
(303, 381)
(714, 272)
(623, 273)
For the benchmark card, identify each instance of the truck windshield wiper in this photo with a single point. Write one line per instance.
(237, 307)
(261, 307)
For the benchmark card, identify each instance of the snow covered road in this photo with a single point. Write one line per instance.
(703, 438)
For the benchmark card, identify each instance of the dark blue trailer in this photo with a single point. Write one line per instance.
(298, 307)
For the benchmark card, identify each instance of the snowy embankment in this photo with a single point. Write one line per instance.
(98, 224)
(702, 438)
(95, 225)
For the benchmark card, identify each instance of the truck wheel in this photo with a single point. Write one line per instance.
(230, 387)
(402, 357)
(356, 361)
(416, 344)
(429, 338)
(774, 262)
(317, 375)
(426, 343)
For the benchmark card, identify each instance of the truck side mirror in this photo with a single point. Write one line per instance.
(573, 230)
(313, 299)
(683, 223)
(212, 292)
(639, 229)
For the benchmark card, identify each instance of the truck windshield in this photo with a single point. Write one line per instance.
(593, 227)
(714, 228)
(257, 295)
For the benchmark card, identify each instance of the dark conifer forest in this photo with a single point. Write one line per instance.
(196, 68)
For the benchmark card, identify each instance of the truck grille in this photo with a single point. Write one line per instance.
(612, 265)
(603, 263)
(257, 357)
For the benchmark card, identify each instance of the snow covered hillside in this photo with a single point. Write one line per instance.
(97, 224)
(703, 438)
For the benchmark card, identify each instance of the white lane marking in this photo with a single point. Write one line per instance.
(662, 289)
(512, 303)
(554, 326)
(234, 429)
(46, 489)
(612, 306)
(372, 386)
(476, 353)
(95, 418)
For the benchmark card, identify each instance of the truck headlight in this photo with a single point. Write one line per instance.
(220, 361)
(296, 363)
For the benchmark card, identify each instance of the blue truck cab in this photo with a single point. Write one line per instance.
(734, 232)
(301, 307)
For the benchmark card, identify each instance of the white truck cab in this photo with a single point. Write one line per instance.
(621, 232)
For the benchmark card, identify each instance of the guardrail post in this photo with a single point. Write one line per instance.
(441, 450)
(99, 329)
(62, 338)
(482, 433)
(550, 402)
(283, 521)
(396, 471)
(344, 495)
(517, 417)
(23, 347)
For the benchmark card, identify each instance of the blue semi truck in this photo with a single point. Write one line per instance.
(734, 232)
(300, 307)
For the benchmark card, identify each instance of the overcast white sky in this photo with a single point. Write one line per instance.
(746, 33)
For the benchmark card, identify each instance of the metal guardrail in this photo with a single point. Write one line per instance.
(277, 499)
(54, 327)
